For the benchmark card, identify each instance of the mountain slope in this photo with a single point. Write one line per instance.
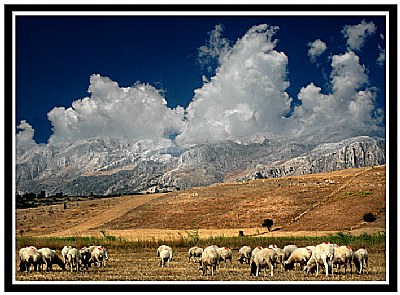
(334, 201)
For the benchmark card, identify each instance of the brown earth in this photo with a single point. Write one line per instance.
(298, 205)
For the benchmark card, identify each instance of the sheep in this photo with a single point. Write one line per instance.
(165, 256)
(73, 259)
(288, 249)
(299, 256)
(343, 256)
(64, 253)
(322, 254)
(255, 251)
(244, 254)
(47, 257)
(98, 256)
(225, 254)
(195, 252)
(280, 256)
(360, 259)
(29, 256)
(263, 259)
(210, 257)
(86, 256)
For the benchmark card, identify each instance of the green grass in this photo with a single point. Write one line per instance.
(192, 238)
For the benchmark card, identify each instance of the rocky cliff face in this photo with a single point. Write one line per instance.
(107, 166)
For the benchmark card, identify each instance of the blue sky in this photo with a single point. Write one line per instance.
(57, 55)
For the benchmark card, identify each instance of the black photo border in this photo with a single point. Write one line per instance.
(69, 286)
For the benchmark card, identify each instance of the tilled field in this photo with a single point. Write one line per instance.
(143, 265)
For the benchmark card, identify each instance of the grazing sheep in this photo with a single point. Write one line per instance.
(244, 254)
(165, 257)
(73, 259)
(98, 256)
(263, 259)
(64, 253)
(288, 249)
(29, 259)
(343, 256)
(360, 259)
(255, 251)
(210, 257)
(280, 256)
(323, 254)
(300, 256)
(47, 258)
(86, 256)
(225, 254)
(195, 252)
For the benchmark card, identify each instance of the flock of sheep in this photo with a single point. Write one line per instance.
(309, 258)
(33, 259)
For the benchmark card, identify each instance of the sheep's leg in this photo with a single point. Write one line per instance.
(327, 268)
(272, 269)
(366, 264)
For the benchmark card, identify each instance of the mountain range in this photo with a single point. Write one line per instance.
(113, 166)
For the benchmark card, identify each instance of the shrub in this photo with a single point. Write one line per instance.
(369, 217)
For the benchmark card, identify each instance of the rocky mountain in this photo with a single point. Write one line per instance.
(109, 166)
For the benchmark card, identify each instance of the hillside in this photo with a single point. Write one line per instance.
(334, 201)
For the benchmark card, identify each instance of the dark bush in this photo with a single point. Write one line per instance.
(369, 217)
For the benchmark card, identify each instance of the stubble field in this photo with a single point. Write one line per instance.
(143, 265)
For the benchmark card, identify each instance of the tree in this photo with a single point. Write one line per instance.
(268, 224)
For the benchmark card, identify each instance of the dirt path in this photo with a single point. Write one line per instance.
(330, 195)
(97, 221)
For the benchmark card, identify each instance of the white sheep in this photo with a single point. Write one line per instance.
(195, 252)
(280, 256)
(244, 254)
(73, 259)
(360, 259)
(323, 254)
(263, 259)
(299, 256)
(47, 256)
(210, 257)
(29, 258)
(99, 255)
(64, 253)
(225, 254)
(343, 256)
(255, 251)
(288, 249)
(165, 257)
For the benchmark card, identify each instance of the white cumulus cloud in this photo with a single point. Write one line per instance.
(381, 57)
(317, 47)
(246, 95)
(133, 112)
(351, 97)
(24, 138)
(357, 34)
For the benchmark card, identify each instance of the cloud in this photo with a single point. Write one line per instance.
(132, 112)
(316, 49)
(246, 95)
(381, 57)
(351, 97)
(24, 138)
(216, 47)
(357, 34)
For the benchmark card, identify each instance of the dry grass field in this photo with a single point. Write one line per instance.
(143, 265)
(318, 205)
